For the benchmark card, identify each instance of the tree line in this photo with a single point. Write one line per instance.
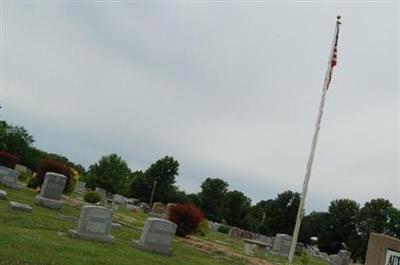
(344, 225)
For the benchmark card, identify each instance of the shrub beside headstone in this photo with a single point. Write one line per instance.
(92, 197)
(187, 217)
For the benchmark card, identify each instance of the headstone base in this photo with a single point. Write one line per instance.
(100, 238)
(53, 204)
(140, 245)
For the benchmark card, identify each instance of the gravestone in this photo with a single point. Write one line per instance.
(51, 191)
(19, 206)
(22, 169)
(94, 224)
(382, 250)
(145, 208)
(9, 177)
(168, 208)
(342, 258)
(102, 193)
(157, 236)
(255, 247)
(247, 234)
(282, 244)
(213, 226)
(158, 209)
(118, 198)
(300, 246)
(235, 232)
(3, 194)
(80, 187)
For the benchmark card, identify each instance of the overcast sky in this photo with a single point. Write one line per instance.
(230, 90)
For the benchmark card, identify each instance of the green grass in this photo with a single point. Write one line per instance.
(41, 238)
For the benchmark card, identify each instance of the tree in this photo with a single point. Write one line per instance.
(111, 173)
(342, 228)
(15, 140)
(211, 197)
(164, 172)
(378, 216)
(235, 208)
(315, 224)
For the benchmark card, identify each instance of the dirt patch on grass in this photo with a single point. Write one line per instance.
(217, 249)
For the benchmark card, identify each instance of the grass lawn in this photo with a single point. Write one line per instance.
(41, 237)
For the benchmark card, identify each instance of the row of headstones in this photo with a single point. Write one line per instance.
(131, 204)
(95, 222)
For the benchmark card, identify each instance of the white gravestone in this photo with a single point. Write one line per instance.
(51, 191)
(282, 244)
(80, 187)
(9, 177)
(157, 236)
(94, 224)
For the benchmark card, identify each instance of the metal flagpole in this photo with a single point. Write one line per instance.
(300, 212)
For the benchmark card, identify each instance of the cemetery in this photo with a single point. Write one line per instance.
(81, 233)
(227, 90)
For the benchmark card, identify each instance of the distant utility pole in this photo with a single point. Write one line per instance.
(152, 193)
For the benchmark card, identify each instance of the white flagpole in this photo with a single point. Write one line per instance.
(300, 212)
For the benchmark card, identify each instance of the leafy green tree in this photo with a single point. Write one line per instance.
(15, 140)
(211, 197)
(315, 224)
(342, 228)
(111, 173)
(376, 216)
(164, 171)
(235, 208)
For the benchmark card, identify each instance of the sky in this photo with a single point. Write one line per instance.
(229, 89)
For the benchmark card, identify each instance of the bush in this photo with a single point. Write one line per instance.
(8, 160)
(24, 176)
(49, 165)
(187, 217)
(224, 229)
(202, 230)
(92, 197)
(32, 183)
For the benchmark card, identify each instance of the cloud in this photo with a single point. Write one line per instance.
(230, 90)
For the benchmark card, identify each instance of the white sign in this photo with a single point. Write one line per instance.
(392, 258)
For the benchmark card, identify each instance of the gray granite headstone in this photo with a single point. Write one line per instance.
(9, 177)
(118, 198)
(19, 206)
(282, 244)
(342, 258)
(80, 187)
(3, 194)
(94, 224)
(51, 190)
(157, 236)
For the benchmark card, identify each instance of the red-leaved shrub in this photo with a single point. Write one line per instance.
(50, 165)
(8, 160)
(187, 217)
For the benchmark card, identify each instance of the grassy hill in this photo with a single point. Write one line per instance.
(41, 237)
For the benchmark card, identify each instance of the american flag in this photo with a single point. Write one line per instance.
(333, 57)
